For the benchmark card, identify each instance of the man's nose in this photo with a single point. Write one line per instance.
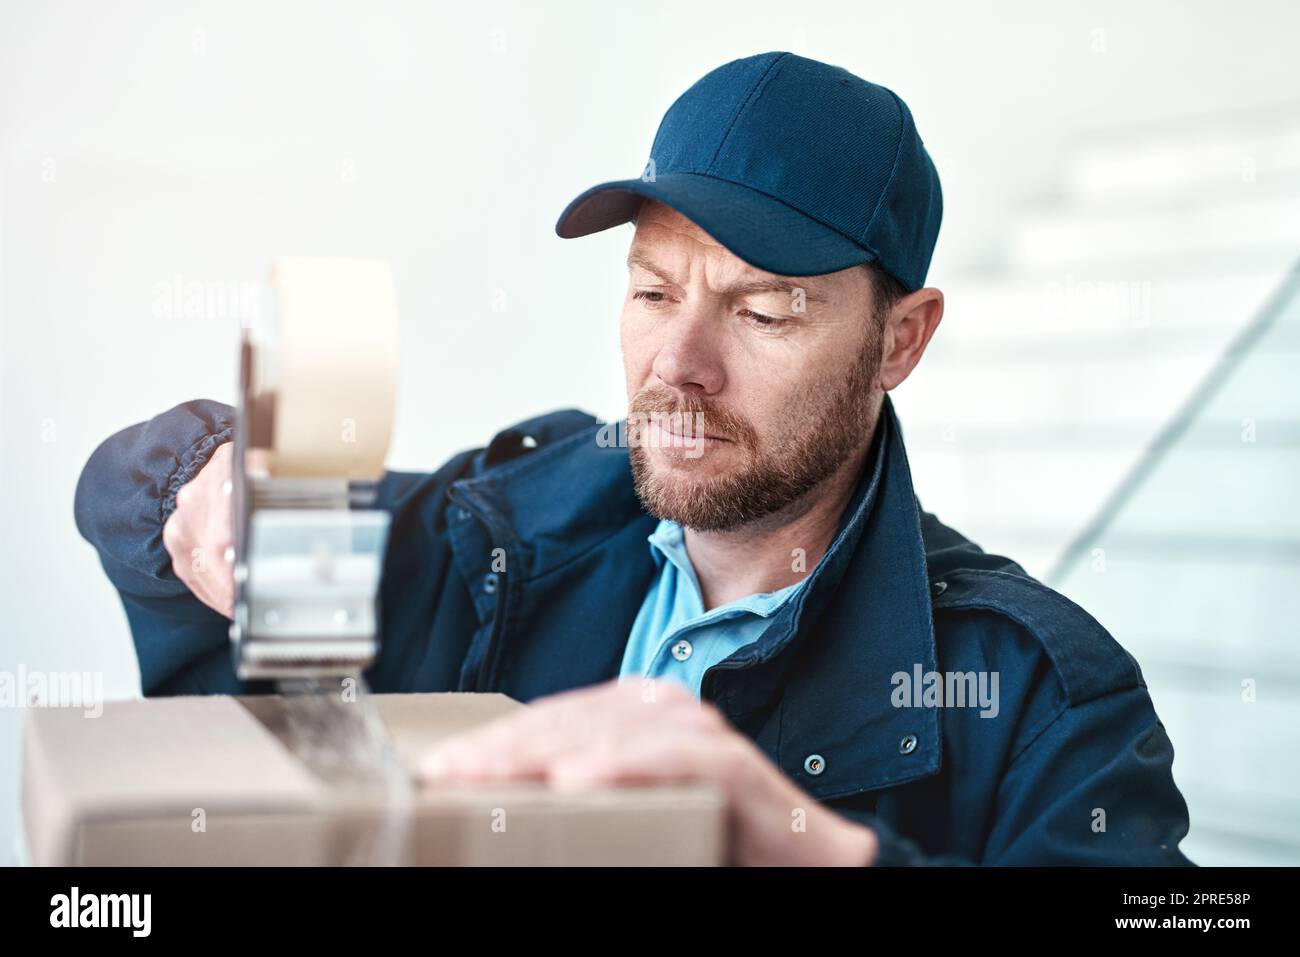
(689, 359)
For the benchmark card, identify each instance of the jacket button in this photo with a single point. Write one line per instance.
(907, 745)
(814, 764)
(490, 583)
(528, 442)
(682, 650)
(939, 588)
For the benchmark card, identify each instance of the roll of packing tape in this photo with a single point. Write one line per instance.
(335, 368)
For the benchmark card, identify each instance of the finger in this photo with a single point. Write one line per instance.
(652, 759)
(521, 746)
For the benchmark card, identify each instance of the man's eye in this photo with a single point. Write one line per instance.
(764, 321)
(649, 295)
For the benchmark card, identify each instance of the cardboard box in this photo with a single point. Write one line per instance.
(211, 781)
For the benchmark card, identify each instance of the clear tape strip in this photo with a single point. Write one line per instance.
(334, 727)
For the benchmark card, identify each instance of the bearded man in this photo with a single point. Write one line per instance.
(745, 590)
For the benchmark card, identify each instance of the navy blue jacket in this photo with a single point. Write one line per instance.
(1074, 769)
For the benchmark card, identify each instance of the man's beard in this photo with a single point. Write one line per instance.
(809, 444)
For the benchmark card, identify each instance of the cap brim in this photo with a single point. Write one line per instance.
(764, 232)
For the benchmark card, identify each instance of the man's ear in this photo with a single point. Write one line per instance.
(911, 323)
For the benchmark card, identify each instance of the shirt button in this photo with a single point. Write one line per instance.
(907, 745)
(490, 583)
(528, 442)
(682, 650)
(814, 764)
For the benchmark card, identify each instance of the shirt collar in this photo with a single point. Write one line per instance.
(668, 542)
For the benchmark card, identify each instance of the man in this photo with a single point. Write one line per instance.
(747, 555)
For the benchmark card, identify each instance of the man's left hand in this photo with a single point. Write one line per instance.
(654, 733)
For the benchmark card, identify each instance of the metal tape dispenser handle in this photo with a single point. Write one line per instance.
(318, 390)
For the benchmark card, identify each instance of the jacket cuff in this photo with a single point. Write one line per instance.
(188, 465)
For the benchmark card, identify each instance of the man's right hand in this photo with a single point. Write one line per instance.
(199, 534)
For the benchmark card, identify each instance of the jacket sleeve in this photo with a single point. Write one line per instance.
(1092, 787)
(125, 494)
(127, 491)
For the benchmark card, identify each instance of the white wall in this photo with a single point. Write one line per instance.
(145, 141)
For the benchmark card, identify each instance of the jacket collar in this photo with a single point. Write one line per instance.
(865, 616)
(830, 652)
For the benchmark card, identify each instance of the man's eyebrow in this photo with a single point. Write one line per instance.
(636, 259)
(788, 286)
(753, 287)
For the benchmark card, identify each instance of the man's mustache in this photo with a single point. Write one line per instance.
(693, 411)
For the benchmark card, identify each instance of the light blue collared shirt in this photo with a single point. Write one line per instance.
(673, 636)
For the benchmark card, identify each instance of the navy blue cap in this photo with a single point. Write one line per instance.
(797, 167)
